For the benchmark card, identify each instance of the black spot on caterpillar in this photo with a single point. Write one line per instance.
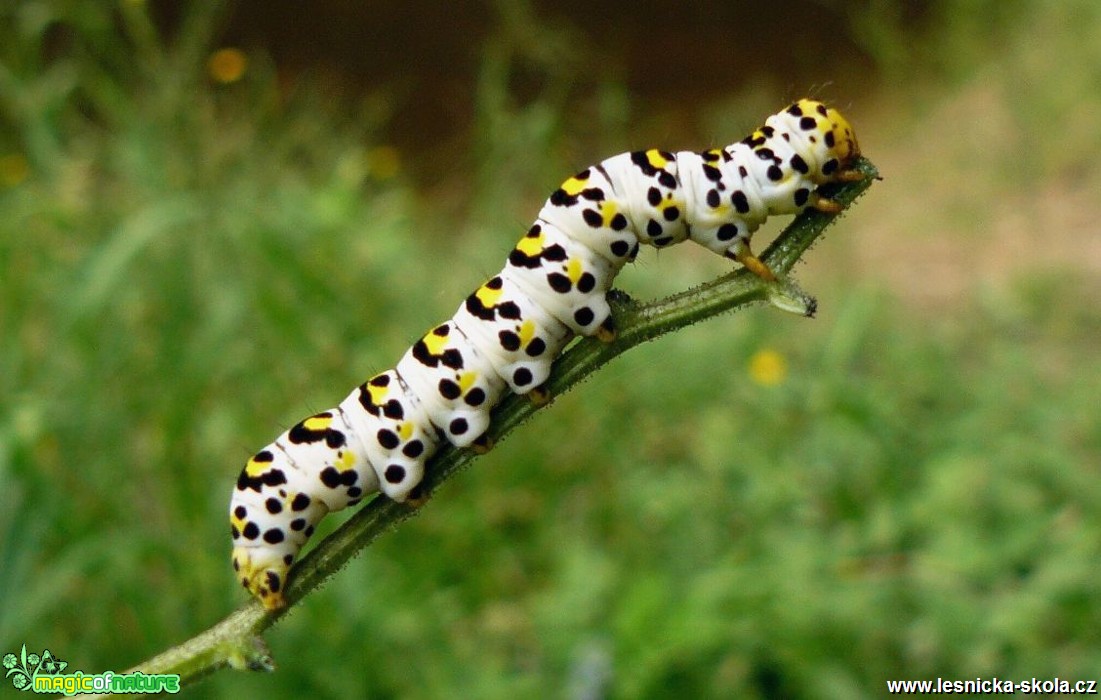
(508, 332)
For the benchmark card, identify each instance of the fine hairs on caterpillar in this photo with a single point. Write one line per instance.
(506, 335)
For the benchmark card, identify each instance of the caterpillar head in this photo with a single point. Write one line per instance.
(826, 127)
(845, 147)
(263, 573)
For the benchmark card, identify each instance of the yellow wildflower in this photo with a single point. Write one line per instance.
(227, 65)
(768, 367)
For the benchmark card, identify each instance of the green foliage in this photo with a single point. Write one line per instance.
(186, 267)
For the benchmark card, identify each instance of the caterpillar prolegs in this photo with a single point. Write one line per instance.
(506, 335)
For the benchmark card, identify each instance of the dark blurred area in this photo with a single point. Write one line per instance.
(426, 58)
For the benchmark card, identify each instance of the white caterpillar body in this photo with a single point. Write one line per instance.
(507, 333)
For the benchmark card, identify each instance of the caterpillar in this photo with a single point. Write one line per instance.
(508, 332)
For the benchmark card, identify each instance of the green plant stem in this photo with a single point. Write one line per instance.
(234, 641)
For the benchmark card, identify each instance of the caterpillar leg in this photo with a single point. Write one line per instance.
(482, 445)
(417, 496)
(849, 176)
(752, 263)
(540, 395)
(606, 332)
(827, 205)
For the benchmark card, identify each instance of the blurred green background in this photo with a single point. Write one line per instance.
(217, 218)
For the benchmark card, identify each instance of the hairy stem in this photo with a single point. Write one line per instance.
(234, 641)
